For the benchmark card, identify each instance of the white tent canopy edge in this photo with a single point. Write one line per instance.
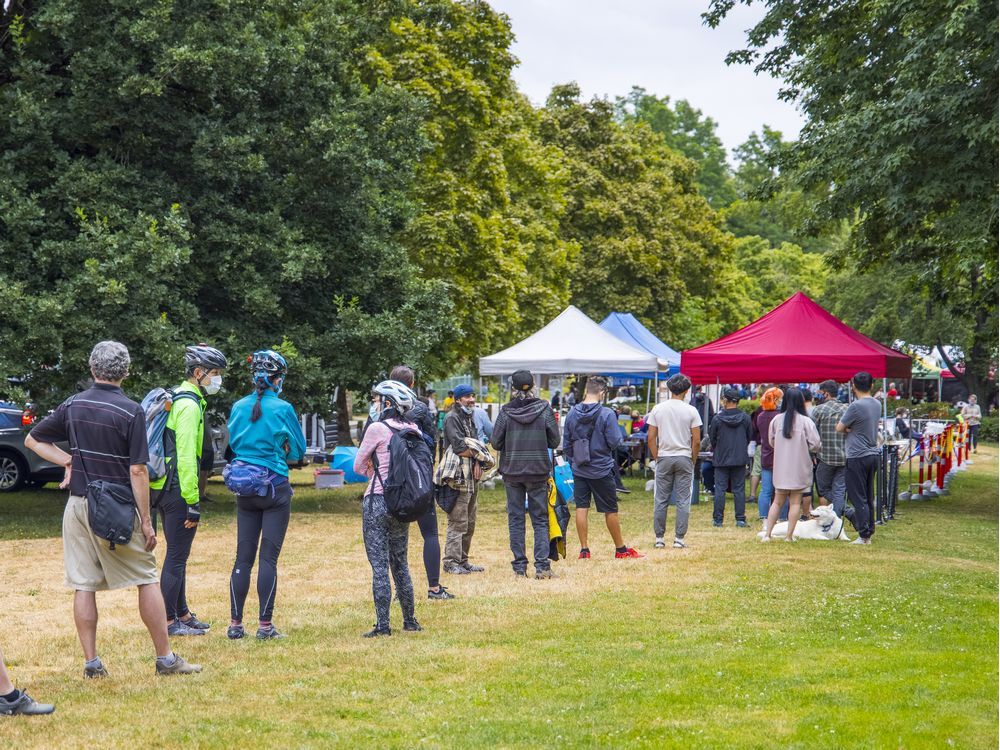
(570, 343)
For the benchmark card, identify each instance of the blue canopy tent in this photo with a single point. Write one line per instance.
(627, 328)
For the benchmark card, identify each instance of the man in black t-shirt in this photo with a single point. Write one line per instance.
(107, 435)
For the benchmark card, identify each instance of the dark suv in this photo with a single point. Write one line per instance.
(20, 467)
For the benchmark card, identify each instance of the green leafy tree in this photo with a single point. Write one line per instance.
(687, 131)
(771, 207)
(776, 273)
(489, 193)
(901, 138)
(649, 243)
(218, 172)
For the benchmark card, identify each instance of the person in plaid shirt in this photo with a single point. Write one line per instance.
(831, 468)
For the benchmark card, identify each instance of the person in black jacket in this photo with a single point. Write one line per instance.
(729, 434)
(525, 430)
(421, 416)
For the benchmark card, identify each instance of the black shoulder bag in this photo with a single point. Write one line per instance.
(111, 507)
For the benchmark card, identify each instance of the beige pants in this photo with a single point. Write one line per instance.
(461, 526)
(91, 564)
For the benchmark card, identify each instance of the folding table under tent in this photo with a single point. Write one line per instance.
(571, 343)
(626, 327)
(798, 341)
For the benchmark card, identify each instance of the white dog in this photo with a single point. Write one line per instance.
(825, 525)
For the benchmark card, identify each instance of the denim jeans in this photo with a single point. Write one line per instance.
(766, 495)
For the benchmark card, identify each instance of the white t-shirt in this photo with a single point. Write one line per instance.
(673, 420)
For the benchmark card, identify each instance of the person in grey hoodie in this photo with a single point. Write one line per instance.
(729, 433)
(589, 440)
(525, 430)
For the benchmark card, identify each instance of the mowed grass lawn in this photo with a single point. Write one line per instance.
(728, 644)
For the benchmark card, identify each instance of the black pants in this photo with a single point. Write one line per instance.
(723, 476)
(173, 577)
(428, 525)
(860, 476)
(537, 495)
(260, 521)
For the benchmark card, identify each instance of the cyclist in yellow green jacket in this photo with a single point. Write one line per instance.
(176, 495)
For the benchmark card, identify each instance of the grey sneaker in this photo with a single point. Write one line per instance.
(546, 573)
(457, 570)
(235, 632)
(469, 567)
(195, 623)
(93, 673)
(266, 634)
(180, 666)
(179, 628)
(679, 543)
(24, 705)
(660, 544)
(442, 593)
(861, 540)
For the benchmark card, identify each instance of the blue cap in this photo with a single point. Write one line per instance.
(462, 390)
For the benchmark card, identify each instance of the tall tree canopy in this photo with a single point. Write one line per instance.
(489, 192)
(215, 171)
(686, 130)
(649, 242)
(901, 136)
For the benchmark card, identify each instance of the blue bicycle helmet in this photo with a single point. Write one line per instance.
(265, 366)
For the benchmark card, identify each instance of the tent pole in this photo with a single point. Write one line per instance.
(647, 394)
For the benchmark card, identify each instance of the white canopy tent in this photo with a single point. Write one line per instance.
(571, 343)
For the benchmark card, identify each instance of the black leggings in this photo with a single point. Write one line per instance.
(263, 521)
(428, 525)
(173, 577)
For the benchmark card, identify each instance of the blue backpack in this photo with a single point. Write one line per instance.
(156, 406)
(409, 487)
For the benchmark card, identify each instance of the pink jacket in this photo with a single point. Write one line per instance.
(376, 442)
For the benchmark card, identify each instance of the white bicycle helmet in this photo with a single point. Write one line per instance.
(396, 394)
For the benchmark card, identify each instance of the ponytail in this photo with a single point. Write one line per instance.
(256, 413)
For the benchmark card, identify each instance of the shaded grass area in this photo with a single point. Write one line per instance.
(727, 644)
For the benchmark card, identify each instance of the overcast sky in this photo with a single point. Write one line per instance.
(661, 45)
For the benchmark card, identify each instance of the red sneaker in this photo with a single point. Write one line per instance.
(584, 554)
(628, 553)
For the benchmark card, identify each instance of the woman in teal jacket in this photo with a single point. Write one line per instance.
(264, 434)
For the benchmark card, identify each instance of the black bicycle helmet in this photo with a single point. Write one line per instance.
(205, 357)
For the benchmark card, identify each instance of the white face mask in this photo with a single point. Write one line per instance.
(214, 385)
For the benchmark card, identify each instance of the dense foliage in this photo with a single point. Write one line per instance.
(361, 183)
(901, 140)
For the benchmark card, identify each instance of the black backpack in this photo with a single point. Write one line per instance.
(409, 487)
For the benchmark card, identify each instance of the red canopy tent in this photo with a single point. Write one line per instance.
(798, 341)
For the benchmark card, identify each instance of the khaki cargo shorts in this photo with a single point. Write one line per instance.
(757, 467)
(91, 564)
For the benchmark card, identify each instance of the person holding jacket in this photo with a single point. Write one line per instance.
(729, 434)
(524, 432)
(177, 495)
(590, 437)
(459, 425)
(265, 434)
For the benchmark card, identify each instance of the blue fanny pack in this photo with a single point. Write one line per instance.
(247, 479)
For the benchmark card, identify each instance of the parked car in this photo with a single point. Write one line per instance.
(10, 415)
(20, 467)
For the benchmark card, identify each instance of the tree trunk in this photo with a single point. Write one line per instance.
(343, 418)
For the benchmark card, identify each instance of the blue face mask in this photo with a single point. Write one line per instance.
(374, 411)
